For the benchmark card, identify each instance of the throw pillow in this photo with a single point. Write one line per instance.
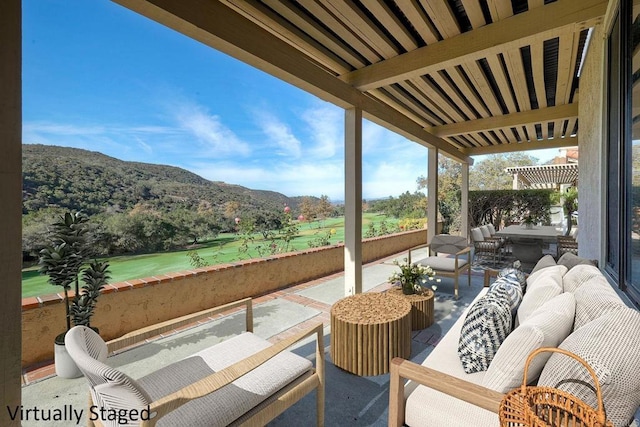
(546, 284)
(511, 285)
(544, 262)
(579, 275)
(548, 326)
(571, 260)
(517, 271)
(610, 344)
(486, 326)
(593, 299)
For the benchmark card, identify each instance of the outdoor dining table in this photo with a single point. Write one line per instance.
(527, 242)
(546, 233)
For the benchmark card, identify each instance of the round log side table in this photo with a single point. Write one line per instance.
(368, 330)
(421, 307)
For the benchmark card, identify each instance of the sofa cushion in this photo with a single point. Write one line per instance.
(579, 275)
(571, 260)
(544, 262)
(594, 298)
(487, 324)
(517, 272)
(610, 344)
(548, 326)
(541, 287)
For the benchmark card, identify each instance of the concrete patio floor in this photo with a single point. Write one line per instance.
(350, 400)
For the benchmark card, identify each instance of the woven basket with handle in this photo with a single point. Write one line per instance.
(536, 406)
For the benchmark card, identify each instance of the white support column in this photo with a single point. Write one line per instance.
(432, 194)
(515, 181)
(464, 202)
(11, 207)
(353, 202)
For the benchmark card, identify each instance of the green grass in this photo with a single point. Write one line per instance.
(223, 249)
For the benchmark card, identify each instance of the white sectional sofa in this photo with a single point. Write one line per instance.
(569, 305)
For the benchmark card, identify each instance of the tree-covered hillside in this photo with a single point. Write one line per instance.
(84, 180)
(135, 207)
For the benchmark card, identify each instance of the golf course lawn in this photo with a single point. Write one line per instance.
(220, 250)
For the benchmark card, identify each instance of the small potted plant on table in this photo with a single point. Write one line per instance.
(412, 278)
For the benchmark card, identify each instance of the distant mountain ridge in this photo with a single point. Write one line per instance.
(85, 180)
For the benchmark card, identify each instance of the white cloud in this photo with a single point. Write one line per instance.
(326, 129)
(279, 134)
(218, 140)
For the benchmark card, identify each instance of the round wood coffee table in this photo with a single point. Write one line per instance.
(421, 307)
(368, 330)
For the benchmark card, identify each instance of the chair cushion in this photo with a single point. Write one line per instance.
(548, 326)
(443, 263)
(476, 235)
(491, 228)
(485, 231)
(225, 405)
(487, 324)
(610, 344)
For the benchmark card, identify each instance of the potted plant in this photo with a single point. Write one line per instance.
(412, 278)
(570, 205)
(63, 262)
(528, 221)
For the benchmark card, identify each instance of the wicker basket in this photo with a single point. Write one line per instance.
(535, 406)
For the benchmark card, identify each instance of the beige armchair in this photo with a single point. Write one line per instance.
(454, 264)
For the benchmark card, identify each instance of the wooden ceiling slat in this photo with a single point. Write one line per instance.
(391, 22)
(524, 146)
(418, 19)
(493, 137)
(456, 143)
(535, 3)
(570, 127)
(310, 27)
(537, 65)
(530, 117)
(474, 12)
(500, 9)
(515, 68)
(464, 86)
(502, 136)
(292, 33)
(454, 94)
(429, 90)
(482, 140)
(413, 105)
(531, 130)
(502, 82)
(473, 138)
(361, 25)
(557, 129)
(566, 62)
(383, 96)
(442, 16)
(338, 27)
(420, 95)
(509, 34)
(478, 79)
(545, 130)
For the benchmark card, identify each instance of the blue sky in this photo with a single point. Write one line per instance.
(100, 77)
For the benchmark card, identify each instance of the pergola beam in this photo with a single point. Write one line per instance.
(520, 30)
(222, 28)
(560, 112)
(522, 146)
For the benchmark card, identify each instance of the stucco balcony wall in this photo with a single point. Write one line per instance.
(134, 304)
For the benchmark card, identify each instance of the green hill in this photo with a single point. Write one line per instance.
(85, 180)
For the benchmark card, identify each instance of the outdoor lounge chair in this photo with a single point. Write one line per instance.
(449, 266)
(244, 380)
